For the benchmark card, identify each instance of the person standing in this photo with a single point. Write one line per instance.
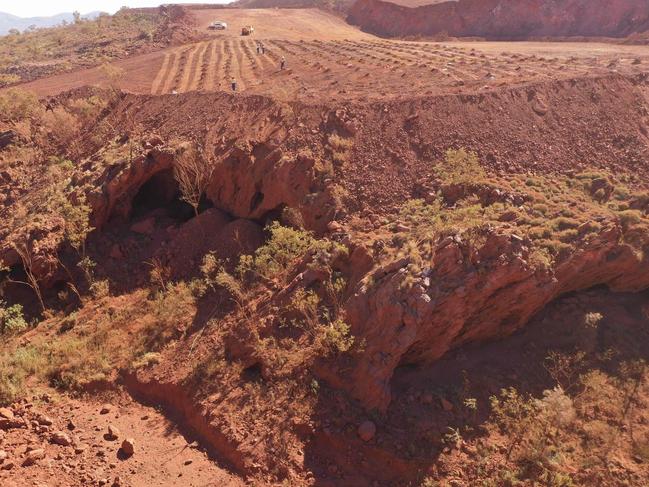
(233, 82)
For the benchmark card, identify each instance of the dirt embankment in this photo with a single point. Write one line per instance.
(465, 293)
(345, 171)
(504, 19)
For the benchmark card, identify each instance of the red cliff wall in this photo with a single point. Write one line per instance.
(505, 19)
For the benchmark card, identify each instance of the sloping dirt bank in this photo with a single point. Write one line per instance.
(504, 19)
(552, 204)
(405, 308)
(269, 155)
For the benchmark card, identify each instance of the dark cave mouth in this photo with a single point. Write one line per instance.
(161, 192)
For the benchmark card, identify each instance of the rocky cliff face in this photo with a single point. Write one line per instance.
(466, 295)
(505, 19)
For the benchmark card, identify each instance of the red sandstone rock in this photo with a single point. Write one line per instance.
(505, 19)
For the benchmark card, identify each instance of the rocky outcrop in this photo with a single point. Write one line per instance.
(467, 295)
(504, 19)
(254, 178)
(116, 187)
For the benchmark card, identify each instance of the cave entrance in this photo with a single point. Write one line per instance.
(161, 192)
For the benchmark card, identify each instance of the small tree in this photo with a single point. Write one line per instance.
(193, 171)
(33, 281)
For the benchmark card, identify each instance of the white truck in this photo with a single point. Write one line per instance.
(218, 25)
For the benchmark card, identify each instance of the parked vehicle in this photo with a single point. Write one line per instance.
(218, 25)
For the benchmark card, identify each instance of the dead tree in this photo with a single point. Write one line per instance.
(193, 172)
(27, 257)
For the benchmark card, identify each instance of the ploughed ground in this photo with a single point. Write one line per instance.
(406, 264)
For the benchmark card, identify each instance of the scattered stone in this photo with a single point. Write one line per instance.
(113, 433)
(3, 456)
(44, 420)
(71, 425)
(79, 449)
(116, 252)
(60, 438)
(188, 462)
(334, 227)
(7, 424)
(128, 447)
(117, 482)
(446, 405)
(144, 227)
(367, 430)
(34, 456)
(105, 409)
(7, 466)
(400, 227)
(6, 413)
(7, 137)
(508, 216)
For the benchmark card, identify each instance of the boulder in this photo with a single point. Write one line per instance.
(367, 430)
(60, 438)
(6, 413)
(128, 447)
(144, 227)
(45, 420)
(33, 456)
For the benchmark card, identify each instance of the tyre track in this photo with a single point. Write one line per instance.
(237, 70)
(187, 72)
(209, 83)
(173, 71)
(198, 68)
(161, 77)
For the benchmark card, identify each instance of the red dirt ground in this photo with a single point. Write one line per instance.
(163, 455)
(356, 70)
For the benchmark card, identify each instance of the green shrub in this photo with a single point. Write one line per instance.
(16, 104)
(281, 252)
(569, 235)
(564, 223)
(336, 337)
(8, 79)
(340, 144)
(629, 218)
(11, 318)
(591, 320)
(460, 166)
(15, 368)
